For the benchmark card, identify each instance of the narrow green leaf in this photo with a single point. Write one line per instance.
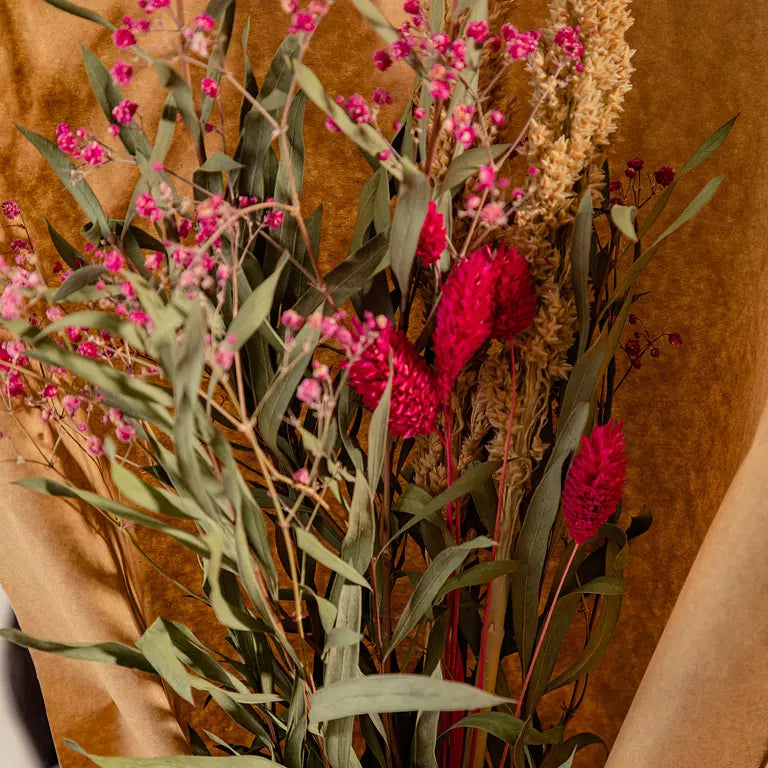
(470, 479)
(90, 274)
(83, 13)
(430, 584)
(623, 216)
(482, 573)
(425, 735)
(239, 761)
(106, 653)
(378, 436)
(255, 309)
(364, 135)
(108, 95)
(296, 726)
(312, 546)
(412, 200)
(351, 276)
(68, 252)
(159, 651)
(532, 543)
(709, 147)
(377, 20)
(396, 693)
(357, 547)
(581, 245)
(182, 95)
(218, 162)
(630, 276)
(70, 178)
(342, 664)
(467, 164)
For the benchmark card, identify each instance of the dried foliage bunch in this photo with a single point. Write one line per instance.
(431, 418)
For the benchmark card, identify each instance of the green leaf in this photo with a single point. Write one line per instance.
(65, 170)
(219, 162)
(378, 432)
(276, 401)
(349, 277)
(312, 546)
(581, 245)
(239, 761)
(467, 164)
(709, 147)
(412, 200)
(430, 584)
(68, 252)
(630, 276)
(342, 664)
(425, 735)
(482, 573)
(159, 651)
(357, 547)
(83, 13)
(377, 20)
(593, 364)
(470, 479)
(560, 752)
(296, 726)
(396, 693)
(106, 653)
(90, 274)
(623, 216)
(109, 96)
(532, 543)
(52, 488)
(502, 725)
(364, 135)
(182, 95)
(255, 309)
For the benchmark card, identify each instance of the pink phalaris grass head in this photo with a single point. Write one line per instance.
(413, 403)
(515, 297)
(432, 237)
(464, 317)
(595, 481)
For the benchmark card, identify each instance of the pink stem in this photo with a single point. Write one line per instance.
(519, 708)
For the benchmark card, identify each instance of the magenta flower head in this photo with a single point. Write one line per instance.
(432, 237)
(515, 297)
(464, 317)
(595, 481)
(413, 403)
(664, 176)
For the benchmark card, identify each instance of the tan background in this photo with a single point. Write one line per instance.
(690, 416)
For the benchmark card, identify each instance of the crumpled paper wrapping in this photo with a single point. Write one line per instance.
(690, 416)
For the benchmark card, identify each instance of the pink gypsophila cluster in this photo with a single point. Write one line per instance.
(209, 87)
(520, 44)
(432, 237)
(414, 402)
(567, 38)
(595, 481)
(125, 111)
(515, 298)
(122, 72)
(464, 317)
(10, 209)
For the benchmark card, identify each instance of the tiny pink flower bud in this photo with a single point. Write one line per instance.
(301, 476)
(209, 87)
(122, 72)
(94, 446)
(309, 391)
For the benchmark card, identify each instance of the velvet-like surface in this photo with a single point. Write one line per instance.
(689, 416)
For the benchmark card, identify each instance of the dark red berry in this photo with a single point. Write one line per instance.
(655, 352)
(675, 339)
(632, 319)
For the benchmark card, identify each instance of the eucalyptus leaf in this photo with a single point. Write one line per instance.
(429, 586)
(396, 693)
(467, 164)
(312, 546)
(70, 178)
(255, 309)
(581, 245)
(218, 162)
(412, 201)
(83, 13)
(623, 216)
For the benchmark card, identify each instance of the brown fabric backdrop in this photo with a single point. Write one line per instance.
(690, 416)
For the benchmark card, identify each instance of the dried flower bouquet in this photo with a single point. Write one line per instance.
(401, 477)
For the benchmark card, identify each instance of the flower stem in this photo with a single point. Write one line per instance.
(542, 635)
